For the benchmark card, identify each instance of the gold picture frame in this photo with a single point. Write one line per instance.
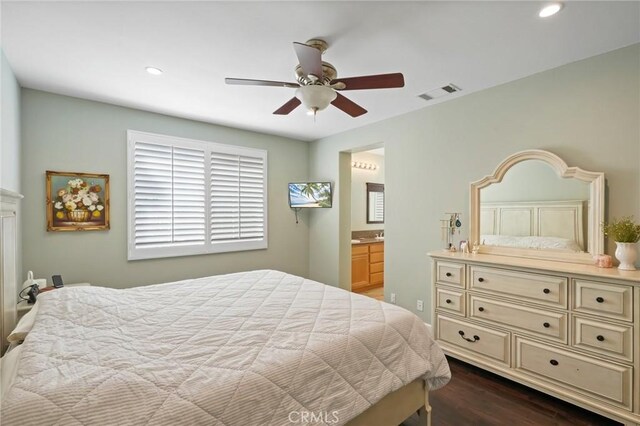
(77, 201)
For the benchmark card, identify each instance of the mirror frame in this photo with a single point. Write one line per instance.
(596, 207)
(374, 187)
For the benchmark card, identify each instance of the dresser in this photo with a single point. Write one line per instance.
(367, 266)
(569, 330)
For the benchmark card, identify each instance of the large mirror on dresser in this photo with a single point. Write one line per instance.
(534, 205)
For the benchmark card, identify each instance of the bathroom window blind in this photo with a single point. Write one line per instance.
(191, 197)
(379, 206)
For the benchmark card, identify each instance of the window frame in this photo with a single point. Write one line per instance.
(208, 247)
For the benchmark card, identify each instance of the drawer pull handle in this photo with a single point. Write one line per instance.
(475, 338)
(481, 309)
(448, 300)
(553, 362)
(546, 291)
(599, 299)
(600, 338)
(546, 325)
(448, 274)
(480, 280)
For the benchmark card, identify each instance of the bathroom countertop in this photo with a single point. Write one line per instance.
(367, 241)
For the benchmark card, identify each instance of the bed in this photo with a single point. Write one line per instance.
(557, 225)
(253, 348)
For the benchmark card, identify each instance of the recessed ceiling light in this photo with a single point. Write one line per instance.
(550, 9)
(154, 71)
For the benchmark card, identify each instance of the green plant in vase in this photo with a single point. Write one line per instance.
(626, 233)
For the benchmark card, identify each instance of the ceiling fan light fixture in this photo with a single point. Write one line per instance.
(153, 70)
(550, 10)
(316, 97)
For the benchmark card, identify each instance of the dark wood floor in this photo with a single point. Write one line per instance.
(479, 398)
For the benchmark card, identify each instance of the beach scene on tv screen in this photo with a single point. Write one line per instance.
(312, 194)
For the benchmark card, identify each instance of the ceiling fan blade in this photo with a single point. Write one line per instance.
(249, 82)
(380, 81)
(310, 59)
(348, 106)
(288, 107)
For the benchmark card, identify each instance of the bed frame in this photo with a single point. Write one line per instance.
(398, 406)
(8, 264)
(564, 219)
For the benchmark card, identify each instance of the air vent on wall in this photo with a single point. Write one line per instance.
(439, 92)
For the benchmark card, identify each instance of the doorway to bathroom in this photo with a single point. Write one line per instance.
(367, 222)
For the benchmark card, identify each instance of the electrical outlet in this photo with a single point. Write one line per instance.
(393, 298)
(420, 305)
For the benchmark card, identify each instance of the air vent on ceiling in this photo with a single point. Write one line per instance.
(439, 92)
(450, 88)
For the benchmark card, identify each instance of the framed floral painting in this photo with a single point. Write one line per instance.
(77, 201)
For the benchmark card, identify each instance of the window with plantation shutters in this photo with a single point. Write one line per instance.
(193, 197)
(237, 197)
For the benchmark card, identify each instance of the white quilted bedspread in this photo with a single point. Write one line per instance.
(239, 349)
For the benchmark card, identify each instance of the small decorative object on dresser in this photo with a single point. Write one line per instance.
(448, 228)
(626, 233)
(603, 261)
(77, 201)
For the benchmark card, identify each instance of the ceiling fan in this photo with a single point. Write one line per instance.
(317, 85)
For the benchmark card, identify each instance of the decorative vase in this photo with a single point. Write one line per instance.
(78, 215)
(627, 254)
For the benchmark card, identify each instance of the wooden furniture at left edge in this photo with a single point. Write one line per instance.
(8, 267)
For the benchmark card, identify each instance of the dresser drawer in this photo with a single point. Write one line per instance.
(449, 300)
(606, 381)
(603, 338)
(376, 248)
(545, 289)
(450, 273)
(614, 301)
(538, 321)
(377, 278)
(376, 267)
(376, 257)
(477, 339)
(359, 249)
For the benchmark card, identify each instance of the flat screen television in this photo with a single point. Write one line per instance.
(310, 195)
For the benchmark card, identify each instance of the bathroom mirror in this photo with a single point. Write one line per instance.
(375, 202)
(534, 205)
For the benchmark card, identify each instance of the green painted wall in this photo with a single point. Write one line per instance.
(69, 134)
(10, 127)
(587, 112)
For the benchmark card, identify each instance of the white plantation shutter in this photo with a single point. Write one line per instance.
(152, 198)
(188, 196)
(192, 197)
(237, 198)
(379, 206)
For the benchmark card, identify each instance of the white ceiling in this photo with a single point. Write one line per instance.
(98, 50)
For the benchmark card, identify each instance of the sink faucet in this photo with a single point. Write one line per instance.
(380, 234)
